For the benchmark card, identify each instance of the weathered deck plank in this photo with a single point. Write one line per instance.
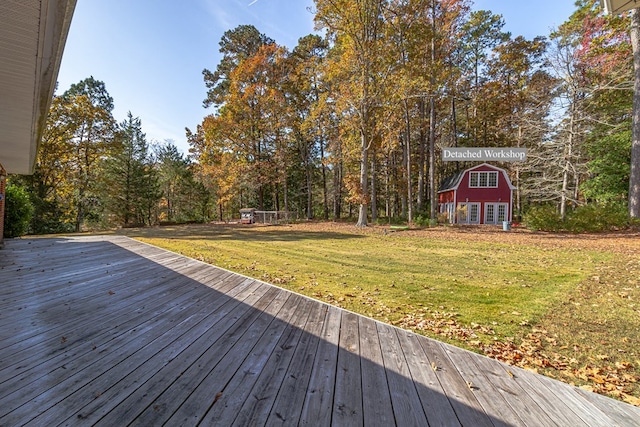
(288, 403)
(377, 408)
(436, 405)
(166, 404)
(461, 397)
(347, 401)
(236, 364)
(317, 408)
(110, 331)
(269, 365)
(407, 408)
(174, 366)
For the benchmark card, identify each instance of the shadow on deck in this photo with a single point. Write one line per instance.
(109, 331)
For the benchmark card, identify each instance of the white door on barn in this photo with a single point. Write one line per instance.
(495, 213)
(468, 213)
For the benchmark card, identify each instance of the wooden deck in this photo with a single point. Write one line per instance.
(112, 332)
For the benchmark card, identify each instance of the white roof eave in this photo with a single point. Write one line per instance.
(32, 38)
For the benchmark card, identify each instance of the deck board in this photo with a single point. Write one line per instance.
(105, 330)
(268, 365)
(347, 406)
(377, 409)
(292, 391)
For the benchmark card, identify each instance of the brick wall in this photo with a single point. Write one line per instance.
(3, 183)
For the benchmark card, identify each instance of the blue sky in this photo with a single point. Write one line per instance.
(150, 53)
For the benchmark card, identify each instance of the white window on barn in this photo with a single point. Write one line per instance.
(483, 179)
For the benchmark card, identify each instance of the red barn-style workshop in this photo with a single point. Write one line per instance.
(482, 194)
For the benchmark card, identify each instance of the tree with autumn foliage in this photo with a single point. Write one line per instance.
(247, 91)
(303, 90)
(46, 186)
(480, 35)
(426, 79)
(359, 80)
(236, 46)
(219, 168)
(92, 126)
(634, 169)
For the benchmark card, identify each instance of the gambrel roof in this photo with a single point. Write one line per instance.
(452, 182)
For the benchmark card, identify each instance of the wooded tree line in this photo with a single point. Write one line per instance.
(352, 122)
(92, 172)
(357, 119)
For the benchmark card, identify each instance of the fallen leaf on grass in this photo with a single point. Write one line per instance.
(631, 399)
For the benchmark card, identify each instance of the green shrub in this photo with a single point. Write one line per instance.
(394, 220)
(423, 220)
(589, 218)
(18, 211)
(543, 218)
(597, 217)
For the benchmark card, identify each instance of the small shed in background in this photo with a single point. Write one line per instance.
(482, 194)
(247, 216)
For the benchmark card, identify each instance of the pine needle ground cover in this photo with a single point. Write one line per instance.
(563, 305)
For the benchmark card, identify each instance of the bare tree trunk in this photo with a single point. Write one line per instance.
(324, 181)
(517, 168)
(285, 191)
(421, 157)
(634, 177)
(518, 194)
(374, 190)
(403, 161)
(432, 159)
(80, 213)
(387, 187)
(408, 158)
(432, 120)
(308, 177)
(337, 191)
(567, 163)
(337, 182)
(364, 179)
(398, 205)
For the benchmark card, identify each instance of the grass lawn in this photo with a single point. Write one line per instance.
(563, 305)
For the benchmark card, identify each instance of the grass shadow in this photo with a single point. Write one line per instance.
(232, 232)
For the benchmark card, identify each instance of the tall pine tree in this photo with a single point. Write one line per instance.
(132, 188)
